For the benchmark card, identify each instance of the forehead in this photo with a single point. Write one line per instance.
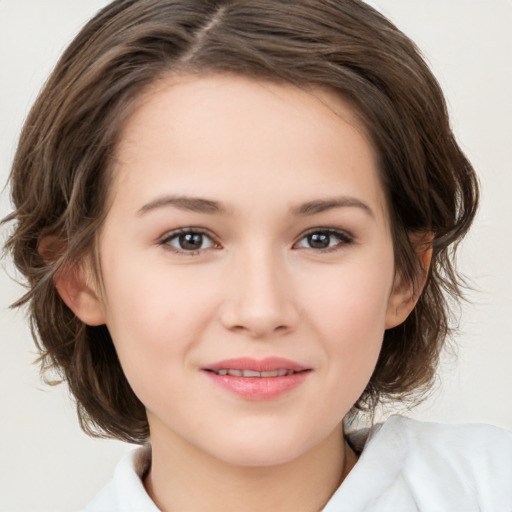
(224, 131)
(221, 99)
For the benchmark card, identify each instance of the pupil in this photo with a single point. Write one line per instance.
(191, 241)
(319, 240)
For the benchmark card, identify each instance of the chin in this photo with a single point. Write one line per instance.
(254, 458)
(261, 449)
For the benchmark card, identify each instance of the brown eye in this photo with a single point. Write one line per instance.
(188, 241)
(324, 239)
(319, 240)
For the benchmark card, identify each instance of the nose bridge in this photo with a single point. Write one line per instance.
(259, 299)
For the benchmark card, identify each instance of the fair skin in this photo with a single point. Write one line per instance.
(291, 257)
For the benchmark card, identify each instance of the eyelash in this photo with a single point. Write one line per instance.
(343, 237)
(185, 231)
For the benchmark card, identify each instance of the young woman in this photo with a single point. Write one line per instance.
(238, 234)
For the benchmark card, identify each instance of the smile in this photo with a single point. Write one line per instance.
(253, 374)
(255, 379)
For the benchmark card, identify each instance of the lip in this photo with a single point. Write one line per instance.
(258, 388)
(268, 364)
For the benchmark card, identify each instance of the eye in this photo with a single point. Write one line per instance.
(188, 241)
(324, 239)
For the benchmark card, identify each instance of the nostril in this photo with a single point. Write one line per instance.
(255, 317)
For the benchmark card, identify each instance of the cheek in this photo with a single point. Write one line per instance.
(151, 295)
(155, 317)
(353, 299)
(350, 317)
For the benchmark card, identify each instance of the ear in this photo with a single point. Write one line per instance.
(75, 285)
(405, 295)
(80, 295)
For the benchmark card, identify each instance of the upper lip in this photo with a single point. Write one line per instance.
(267, 364)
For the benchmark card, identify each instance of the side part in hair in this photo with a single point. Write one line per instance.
(68, 144)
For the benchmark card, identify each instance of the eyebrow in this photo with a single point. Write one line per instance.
(210, 206)
(191, 204)
(322, 205)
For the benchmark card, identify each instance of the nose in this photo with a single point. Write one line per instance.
(259, 299)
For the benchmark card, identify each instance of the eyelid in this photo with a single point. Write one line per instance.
(345, 237)
(164, 240)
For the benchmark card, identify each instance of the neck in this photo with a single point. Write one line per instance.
(184, 478)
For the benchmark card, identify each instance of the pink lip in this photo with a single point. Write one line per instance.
(258, 388)
(268, 364)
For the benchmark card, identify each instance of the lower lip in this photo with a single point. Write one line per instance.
(259, 388)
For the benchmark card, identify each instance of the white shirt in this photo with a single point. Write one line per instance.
(405, 466)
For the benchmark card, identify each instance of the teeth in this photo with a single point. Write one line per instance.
(250, 373)
(276, 373)
(254, 374)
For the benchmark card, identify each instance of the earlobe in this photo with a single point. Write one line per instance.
(80, 295)
(73, 284)
(404, 296)
(400, 304)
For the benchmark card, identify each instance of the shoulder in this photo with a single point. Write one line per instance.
(410, 465)
(473, 455)
(474, 458)
(126, 492)
(475, 445)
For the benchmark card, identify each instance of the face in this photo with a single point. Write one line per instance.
(247, 265)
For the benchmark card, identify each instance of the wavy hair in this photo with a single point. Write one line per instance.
(60, 175)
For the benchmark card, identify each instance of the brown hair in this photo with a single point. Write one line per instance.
(60, 172)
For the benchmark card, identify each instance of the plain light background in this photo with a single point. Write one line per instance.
(48, 464)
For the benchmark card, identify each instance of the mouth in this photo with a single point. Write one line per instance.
(251, 367)
(252, 374)
(257, 380)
